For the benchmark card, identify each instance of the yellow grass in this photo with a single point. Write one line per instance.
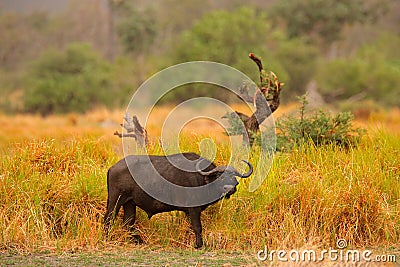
(53, 188)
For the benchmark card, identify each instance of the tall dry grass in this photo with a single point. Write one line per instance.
(53, 193)
(53, 196)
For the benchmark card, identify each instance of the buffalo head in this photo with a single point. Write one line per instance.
(224, 177)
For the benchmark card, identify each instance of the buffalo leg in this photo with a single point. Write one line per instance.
(113, 207)
(129, 219)
(194, 215)
(129, 213)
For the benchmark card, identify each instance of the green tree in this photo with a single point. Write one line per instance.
(75, 79)
(373, 72)
(299, 59)
(227, 37)
(137, 31)
(324, 19)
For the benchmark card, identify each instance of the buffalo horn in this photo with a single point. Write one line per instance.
(247, 174)
(216, 169)
(224, 168)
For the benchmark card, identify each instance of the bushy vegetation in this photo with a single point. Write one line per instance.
(319, 128)
(73, 80)
(208, 39)
(372, 73)
(319, 43)
(308, 127)
(322, 21)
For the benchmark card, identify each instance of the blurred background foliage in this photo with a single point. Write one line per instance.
(72, 56)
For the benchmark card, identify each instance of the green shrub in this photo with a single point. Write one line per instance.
(320, 128)
(373, 73)
(73, 80)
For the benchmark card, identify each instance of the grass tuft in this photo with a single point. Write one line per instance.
(54, 197)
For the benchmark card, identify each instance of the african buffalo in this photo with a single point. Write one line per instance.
(184, 170)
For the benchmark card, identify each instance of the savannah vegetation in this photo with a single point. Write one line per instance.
(66, 76)
(96, 53)
(53, 189)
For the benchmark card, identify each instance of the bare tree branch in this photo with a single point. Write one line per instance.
(266, 100)
(134, 130)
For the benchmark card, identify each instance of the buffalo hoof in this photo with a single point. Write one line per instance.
(198, 246)
(136, 239)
